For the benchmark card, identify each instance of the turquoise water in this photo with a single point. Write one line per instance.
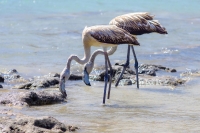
(37, 37)
(75, 6)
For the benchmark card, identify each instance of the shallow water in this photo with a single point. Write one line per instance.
(37, 37)
(149, 109)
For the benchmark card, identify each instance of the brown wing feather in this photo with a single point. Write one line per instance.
(145, 15)
(138, 23)
(112, 34)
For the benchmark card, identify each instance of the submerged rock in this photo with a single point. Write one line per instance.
(75, 77)
(46, 82)
(164, 81)
(128, 82)
(195, 73)
(150, 72)
(25, 124)
(12, 71)
(38, 83)
(147, 75)
(52, 74)
(128, 73)
(23, 86)
(31, 98)
(42, 98)
(1, 86)
(156, 67)
(11, 74)
(176, 82)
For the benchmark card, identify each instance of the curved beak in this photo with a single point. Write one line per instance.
(86, 78)
(62, 87)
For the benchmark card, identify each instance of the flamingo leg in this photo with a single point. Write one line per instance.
(136, 67)
(124, 66)
(110, 77)
(106, 77)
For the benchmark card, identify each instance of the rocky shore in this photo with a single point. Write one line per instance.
(147, 76)
(34, 94)
(26, 124)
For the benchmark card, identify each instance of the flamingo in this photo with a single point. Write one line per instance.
(136, 24)
(99, 36)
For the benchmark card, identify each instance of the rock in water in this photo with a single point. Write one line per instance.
(42, 98)
(24, 124)
(31, 98)
(1, 78)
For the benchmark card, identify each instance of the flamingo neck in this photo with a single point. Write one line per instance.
(99, 51)
(89, 66)
(85, 59)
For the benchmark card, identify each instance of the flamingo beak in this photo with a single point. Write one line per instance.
(62, 87)
(86, 78)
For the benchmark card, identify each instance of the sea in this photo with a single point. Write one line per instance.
(38, 36)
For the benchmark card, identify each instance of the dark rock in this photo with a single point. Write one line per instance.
(119, 64)
(170, 70)
(147, 75)
(101, 76)
(31, 98)
(24, 124)
(56, 75)
(127, 73)
(1, 86)
(75, 77)
(130, 71)
(1, 78)
(12, 71)
(72, 128)
(5, 102)
(49, 82)
(150, 67)
(159, 67)
(11, 74)
(191, 73)
(15, 76)
(117, 67)
(128, 82)
(150, 72)
(175, 82)
(23, 86)
(155, 67)
(42, 98)
(52, 74)
(49, 123)
(164, 81)
(44, 83)
(38, 83)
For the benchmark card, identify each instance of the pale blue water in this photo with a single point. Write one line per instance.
(40, 35)
(37, 37)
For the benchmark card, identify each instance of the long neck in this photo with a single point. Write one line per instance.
(85, 59)
(99, 51)
(89, 66)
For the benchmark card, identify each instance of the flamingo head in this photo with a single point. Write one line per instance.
(87, 69)
(64, 76)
